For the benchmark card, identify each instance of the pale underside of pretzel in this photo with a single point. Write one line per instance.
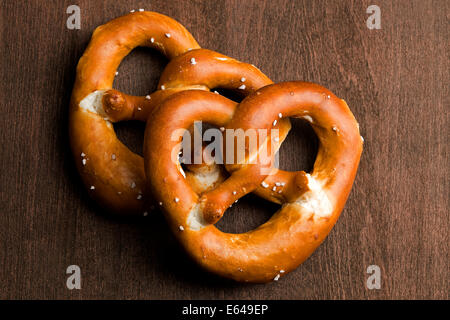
(311, 203)
(112, 173)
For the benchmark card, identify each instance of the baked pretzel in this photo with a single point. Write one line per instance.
(112, 173)
(311, 203)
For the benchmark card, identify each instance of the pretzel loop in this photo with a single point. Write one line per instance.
(311, 203)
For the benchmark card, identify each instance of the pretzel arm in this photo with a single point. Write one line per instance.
(120, 106)
(212, 70)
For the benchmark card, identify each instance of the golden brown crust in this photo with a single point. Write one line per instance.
(112, 173)
(311, 203)
(115, 176)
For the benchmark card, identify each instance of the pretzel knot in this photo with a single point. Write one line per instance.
(311, 203)
(112, 173)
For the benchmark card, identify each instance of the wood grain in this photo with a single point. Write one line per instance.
(395, 80)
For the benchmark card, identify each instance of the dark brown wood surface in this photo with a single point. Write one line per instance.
(395, 80)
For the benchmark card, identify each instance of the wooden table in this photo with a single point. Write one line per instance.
(395, 80)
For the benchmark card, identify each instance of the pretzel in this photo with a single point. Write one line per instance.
(311, 203)
(112, 173)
